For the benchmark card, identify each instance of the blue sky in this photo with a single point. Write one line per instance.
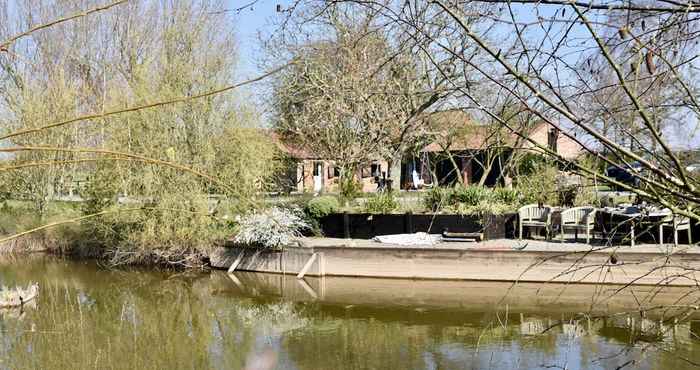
(248, 23)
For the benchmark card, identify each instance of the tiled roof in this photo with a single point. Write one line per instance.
(287, 147)
(455, 130)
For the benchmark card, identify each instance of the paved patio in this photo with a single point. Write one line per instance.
(529, 245)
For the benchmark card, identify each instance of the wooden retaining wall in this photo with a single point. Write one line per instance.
(626, 267)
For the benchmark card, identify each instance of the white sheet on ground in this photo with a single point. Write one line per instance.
(409, 239)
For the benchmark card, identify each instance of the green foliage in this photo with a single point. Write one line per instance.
(479, 200)
(170, 161)
(530, 164)
(567, 195)
(436, 198)
(483, 207)
(469, 195)
(322, 206)
(506, 195)
(592, 163)
(384, 202)
(178, 229)
(17, 216)
(472, 199)
(350, 188)
(586, 196)
(101, 191)
(578, 195)
(540, 186)
(245, 161)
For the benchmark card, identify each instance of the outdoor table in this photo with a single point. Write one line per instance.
(626, 224)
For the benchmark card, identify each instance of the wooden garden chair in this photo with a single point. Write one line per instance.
(676, 223)
(578, 218)
(533, 215)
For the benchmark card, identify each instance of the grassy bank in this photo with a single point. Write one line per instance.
(122, 234)
(17, 216)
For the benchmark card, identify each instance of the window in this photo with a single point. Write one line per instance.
(376, 170)
(333, 171)
(366, 172)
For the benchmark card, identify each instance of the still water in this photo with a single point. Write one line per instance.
(88, 317)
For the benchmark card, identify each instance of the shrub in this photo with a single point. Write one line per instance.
(587, 197)
(350, 188)
(381, 203)
(531, 164)
(588, 194)
(469, 195)
(506, 196)
(271, 228)
(436, 199)
(540, 186)
(568, 195)
(322, 206)
(484, 207)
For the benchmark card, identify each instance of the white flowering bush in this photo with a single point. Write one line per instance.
(11, 297)
(270, 228)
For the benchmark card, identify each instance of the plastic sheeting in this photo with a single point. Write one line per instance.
(409, 239)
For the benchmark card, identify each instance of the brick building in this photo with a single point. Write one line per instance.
(455, 143)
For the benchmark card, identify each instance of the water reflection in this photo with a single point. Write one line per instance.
(88, 317)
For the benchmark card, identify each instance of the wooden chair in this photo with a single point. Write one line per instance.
(533, 215)
(578, 218)
(676, 223)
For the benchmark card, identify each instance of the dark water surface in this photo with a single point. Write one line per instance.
(92, 318)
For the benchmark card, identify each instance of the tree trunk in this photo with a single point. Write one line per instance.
(456, 167)
(486, 169)
(394, 171)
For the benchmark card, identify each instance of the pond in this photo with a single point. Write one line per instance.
(90, 317)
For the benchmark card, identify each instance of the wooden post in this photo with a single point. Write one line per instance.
(237, 282)
(408, 222)
(307, 266)
(308, 288)
(321, 264)
(235, 263)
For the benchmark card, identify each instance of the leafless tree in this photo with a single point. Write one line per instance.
(359, 87)
(536, 54)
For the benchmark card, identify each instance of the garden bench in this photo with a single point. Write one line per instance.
(534, 215)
